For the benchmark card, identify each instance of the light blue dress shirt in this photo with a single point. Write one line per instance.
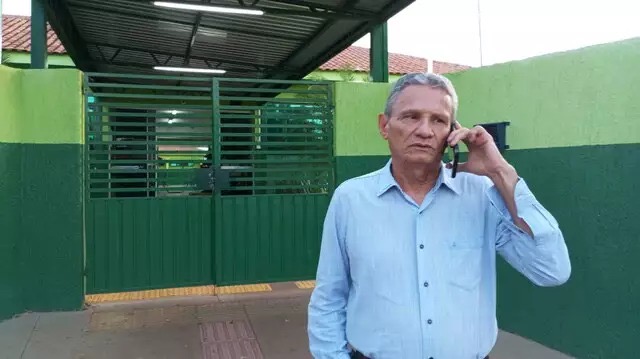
(397, 280)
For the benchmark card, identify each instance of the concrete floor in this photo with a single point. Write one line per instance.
(274, 325)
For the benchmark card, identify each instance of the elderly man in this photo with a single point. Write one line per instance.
(407, 265)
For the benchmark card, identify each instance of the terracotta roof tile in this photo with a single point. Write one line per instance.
(357, 59)
(16, 35)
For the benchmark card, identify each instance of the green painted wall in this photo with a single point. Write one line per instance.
(355, 76)
(39, 106)
(10, 201)
(353, 166)
(582, 97)
(23, 60)
(575, 138)
(10, 205)
(50, 240)
(357, 106)
(41, 209)
(10, 102)
(576, 98)
(592, 192)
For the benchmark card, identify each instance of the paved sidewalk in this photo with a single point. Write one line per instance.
(270, 326)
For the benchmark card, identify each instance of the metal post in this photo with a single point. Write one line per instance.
(38, 35)
(0, 32)
(480, 32)
(216, 202)
(379, 54)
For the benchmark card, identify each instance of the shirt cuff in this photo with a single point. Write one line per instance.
(541, 222)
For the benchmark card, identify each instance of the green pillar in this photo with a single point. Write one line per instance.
(0, 32)
(38, 35)
(379, 54)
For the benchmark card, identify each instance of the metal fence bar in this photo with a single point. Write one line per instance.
(216, 204)
(149, 135)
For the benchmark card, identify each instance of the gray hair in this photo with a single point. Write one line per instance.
(427, 79)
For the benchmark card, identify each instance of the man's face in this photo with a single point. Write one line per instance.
(419, 124)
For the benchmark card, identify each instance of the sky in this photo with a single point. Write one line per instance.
(449, 30)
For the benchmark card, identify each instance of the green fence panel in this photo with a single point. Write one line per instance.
(270, 212)
(270, 238)
(136, 244)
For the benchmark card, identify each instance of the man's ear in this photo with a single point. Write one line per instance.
(383, 125)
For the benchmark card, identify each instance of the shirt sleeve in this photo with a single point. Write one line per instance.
(327, 307)
(543, 258)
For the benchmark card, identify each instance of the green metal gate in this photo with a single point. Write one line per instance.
(194, 181)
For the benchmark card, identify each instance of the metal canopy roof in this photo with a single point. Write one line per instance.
(291, 39)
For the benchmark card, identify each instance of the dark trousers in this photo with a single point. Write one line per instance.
(357, 355)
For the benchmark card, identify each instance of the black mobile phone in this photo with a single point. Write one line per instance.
(456, 154)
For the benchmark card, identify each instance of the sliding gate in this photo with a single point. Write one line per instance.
(195, 181)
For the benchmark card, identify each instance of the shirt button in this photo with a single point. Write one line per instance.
(426, 284)
(422, 246)
(429, 321)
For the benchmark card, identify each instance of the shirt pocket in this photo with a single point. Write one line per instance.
(465, 263)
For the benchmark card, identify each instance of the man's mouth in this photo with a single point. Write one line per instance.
(422, 146)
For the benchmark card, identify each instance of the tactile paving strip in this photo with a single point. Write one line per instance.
(247, 288)
(150, 294)
(176, 292)
(232, 339)
(306, 284)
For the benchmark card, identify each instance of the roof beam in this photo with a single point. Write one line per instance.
(187, 23)
(153, 53)
(115, 54)
(192, 40)
(316, 6)
(345, 4)
(62, 23)
(150, 67)
(393, 8)
(102, 55)
(137, 65)
(310, 11)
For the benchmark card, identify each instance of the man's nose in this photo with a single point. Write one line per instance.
(424, 128)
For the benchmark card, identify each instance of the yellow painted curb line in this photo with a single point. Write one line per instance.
(176, 292)
(150, 294)
(247, 288)
(306, 284)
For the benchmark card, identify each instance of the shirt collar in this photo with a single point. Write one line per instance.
(386, 180)
(445, 177)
